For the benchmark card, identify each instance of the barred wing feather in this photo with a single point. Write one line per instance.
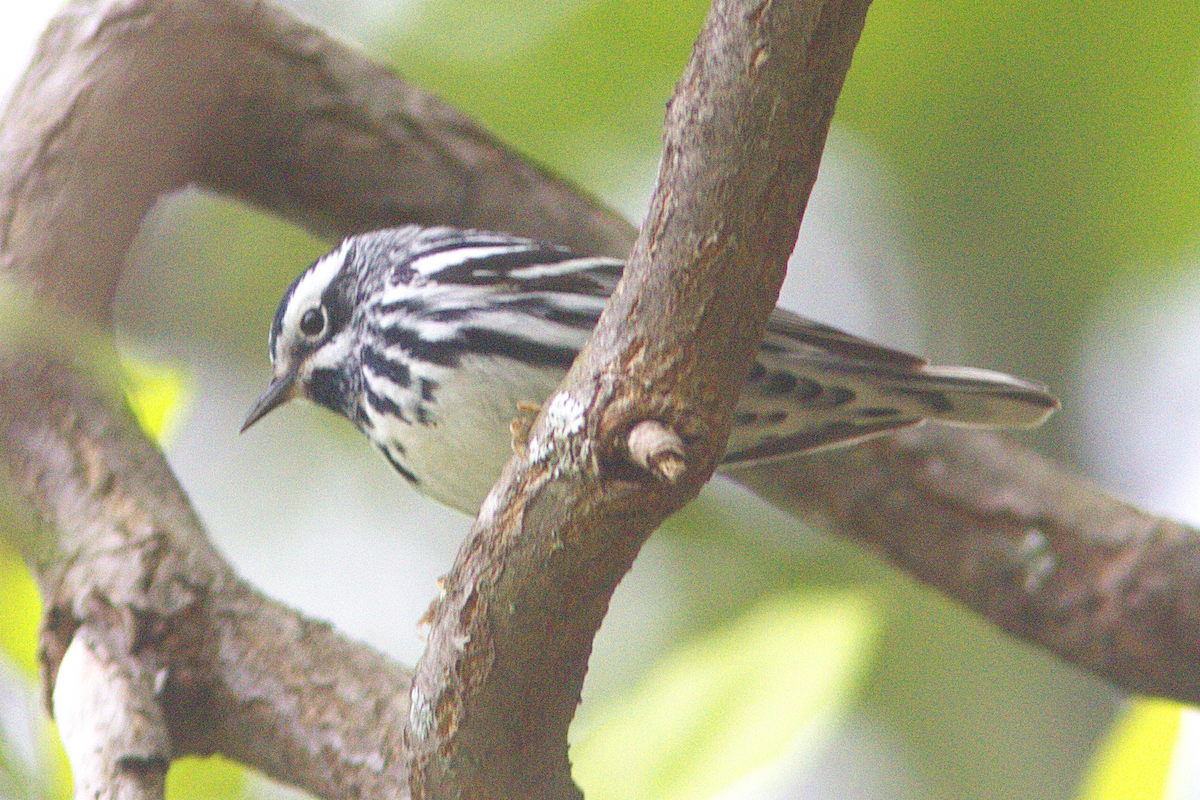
(815, 387)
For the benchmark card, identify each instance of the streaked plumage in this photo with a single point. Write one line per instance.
(429, 339)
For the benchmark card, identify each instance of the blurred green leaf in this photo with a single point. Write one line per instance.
(1134, 761)
(205, 778)
(157, 394)
(732, 703)
(1071, 125)
(1049, 146)
(583, 90)
(20, 610)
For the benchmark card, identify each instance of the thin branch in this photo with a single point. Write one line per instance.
(111, 724)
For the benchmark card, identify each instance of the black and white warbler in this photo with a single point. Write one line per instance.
(428, 339)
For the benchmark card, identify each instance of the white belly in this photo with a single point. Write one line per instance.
(458, 454)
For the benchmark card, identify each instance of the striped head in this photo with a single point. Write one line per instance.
(315, 338)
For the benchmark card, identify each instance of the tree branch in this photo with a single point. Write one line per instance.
(128, 100)
(111, 723)
(1040, 553)
(133, 576)
(500, 680)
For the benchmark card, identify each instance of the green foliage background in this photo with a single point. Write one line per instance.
(1048, 153)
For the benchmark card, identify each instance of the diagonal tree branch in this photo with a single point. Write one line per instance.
(1040, 553)
(508, 649)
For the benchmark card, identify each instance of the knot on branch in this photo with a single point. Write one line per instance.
(656, 448)
(653, 433)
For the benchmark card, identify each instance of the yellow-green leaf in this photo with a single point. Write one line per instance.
(157, 393)
(20, 610)
(1135, 758)
(212, 778)
(733, 705)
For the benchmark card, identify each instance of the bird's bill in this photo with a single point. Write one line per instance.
(279, 392)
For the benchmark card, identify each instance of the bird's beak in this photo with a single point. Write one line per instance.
(281, 390)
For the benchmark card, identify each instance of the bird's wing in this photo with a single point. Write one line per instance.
(814, 387)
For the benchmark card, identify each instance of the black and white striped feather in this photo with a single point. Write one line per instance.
(430, 338)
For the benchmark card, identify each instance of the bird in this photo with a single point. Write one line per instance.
(431, 340)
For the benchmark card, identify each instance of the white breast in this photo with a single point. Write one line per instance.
(459, 451)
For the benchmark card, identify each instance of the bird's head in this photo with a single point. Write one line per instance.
(313, 342)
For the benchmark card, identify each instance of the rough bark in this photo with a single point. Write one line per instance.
(133, 577)
(1041, 553)
(129, 99)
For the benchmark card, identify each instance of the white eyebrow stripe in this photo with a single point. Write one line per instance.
(308, 291)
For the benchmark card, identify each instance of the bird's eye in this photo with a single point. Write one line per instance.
(312, 322)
